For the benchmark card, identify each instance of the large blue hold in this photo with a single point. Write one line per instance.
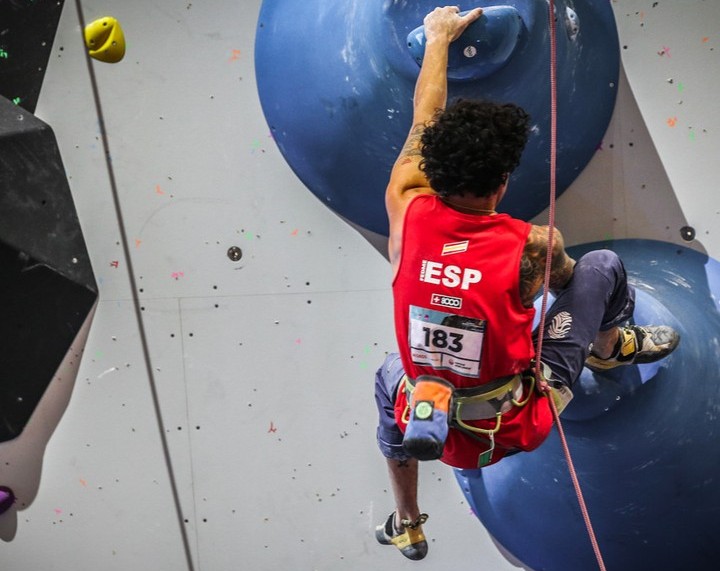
(336, 80)
(644, 441)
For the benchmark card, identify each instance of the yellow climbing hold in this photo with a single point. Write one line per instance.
(105, 40)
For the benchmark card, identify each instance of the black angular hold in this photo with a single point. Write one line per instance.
(47, 287)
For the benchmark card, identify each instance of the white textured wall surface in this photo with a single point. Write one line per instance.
(656, 170)
(264, 366)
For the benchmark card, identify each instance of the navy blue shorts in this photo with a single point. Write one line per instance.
(597, 298)
(387, 381)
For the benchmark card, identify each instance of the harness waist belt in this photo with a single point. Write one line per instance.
(484, 401)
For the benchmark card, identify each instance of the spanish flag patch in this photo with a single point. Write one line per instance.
(455, 248)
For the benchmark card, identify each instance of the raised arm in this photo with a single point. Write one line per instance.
(442, 27)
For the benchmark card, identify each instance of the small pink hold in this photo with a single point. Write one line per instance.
(7, 499)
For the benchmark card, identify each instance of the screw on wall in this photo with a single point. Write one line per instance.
(687, 233)
(234, 253)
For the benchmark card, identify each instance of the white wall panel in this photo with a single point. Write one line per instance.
(264, 366)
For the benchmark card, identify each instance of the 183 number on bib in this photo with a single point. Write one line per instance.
(446, 341)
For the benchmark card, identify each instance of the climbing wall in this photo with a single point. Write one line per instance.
(222, 416)
(653, 175)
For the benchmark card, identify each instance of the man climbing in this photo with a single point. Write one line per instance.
(464, 280)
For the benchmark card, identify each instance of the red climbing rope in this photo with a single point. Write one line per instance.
(548, 262)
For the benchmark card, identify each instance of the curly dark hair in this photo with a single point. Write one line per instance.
(472, 146)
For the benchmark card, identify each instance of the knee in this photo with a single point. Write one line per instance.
(603, 261)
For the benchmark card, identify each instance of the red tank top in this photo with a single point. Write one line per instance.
(459, 316)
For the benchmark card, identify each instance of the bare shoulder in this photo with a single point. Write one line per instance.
(407, 180)
(533, 262)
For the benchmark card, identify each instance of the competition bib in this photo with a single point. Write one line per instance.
(445, 341)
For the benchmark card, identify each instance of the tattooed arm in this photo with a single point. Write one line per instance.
(442, 26)
(532, 264)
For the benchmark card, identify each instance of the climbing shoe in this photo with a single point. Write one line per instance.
(637, 345)
(410, 541)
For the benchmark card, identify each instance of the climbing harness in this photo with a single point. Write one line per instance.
(487, 401)
(475, 403)
(434, 406)
(543, 385)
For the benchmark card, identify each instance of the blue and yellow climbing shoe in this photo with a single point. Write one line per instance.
(637, 345)
(410, 540)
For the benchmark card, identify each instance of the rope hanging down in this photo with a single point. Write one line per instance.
(546, 283)
(136, 301)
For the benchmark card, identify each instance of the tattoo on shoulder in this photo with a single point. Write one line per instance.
(412, 145)
(532, 265)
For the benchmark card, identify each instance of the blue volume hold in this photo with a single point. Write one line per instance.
(336, 81)
(644, 441)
